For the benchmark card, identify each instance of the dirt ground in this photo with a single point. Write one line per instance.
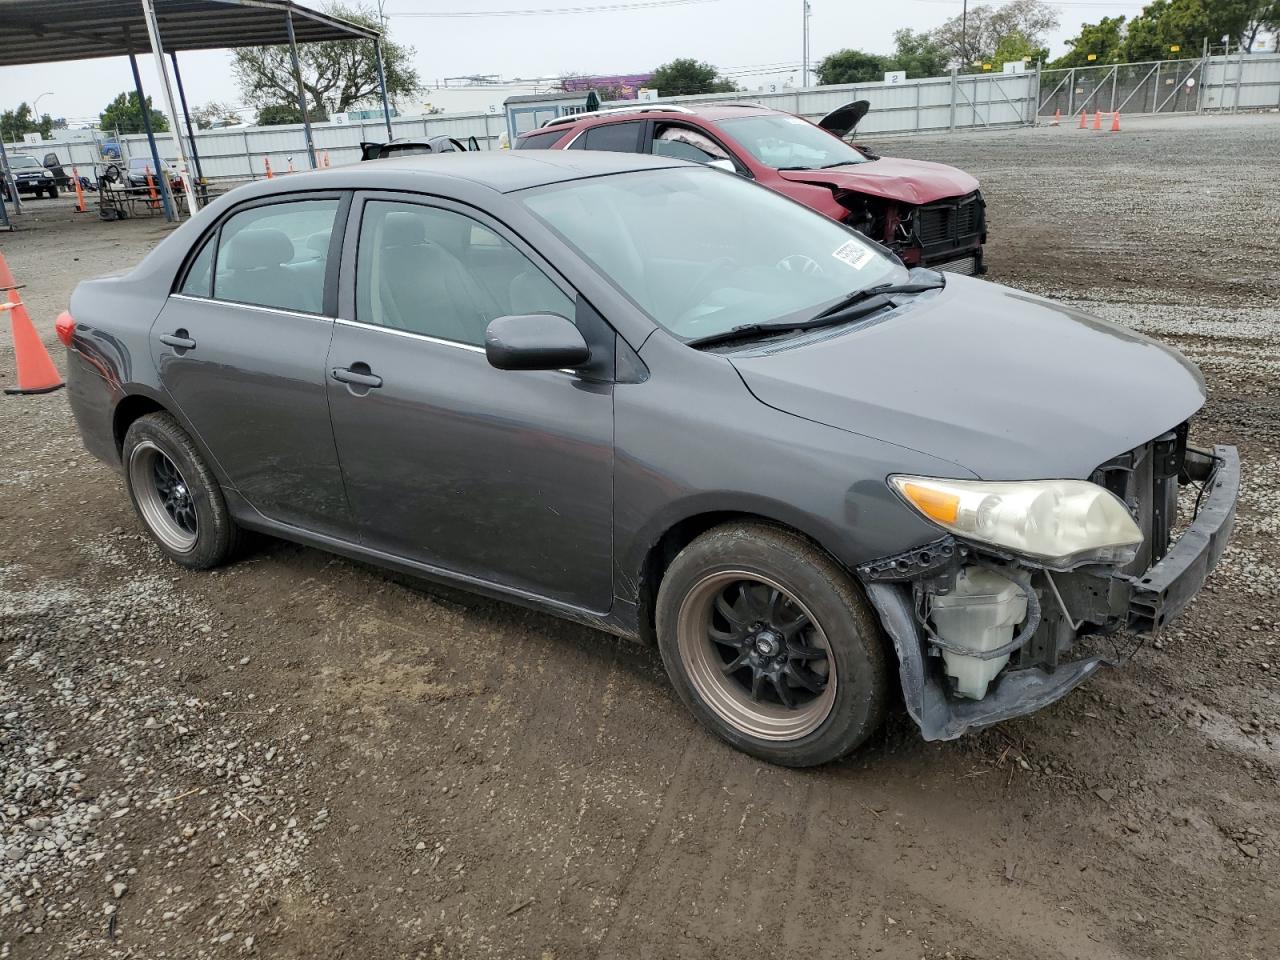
(300, 757)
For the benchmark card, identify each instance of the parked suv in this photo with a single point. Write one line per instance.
(29, 176)
(927, 213)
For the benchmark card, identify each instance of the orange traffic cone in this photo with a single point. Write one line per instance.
(1057, 118)
(266, 162)
(75, 174)
(325, 162)
(1115, 122)
(1097, 119)
(1083, 119)
(36, 372)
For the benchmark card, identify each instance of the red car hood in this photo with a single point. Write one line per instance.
(910, 181)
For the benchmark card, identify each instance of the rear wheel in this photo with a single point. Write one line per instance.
(176, 494)
(771, 645)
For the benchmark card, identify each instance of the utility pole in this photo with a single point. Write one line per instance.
(964, 35)
(804, 72)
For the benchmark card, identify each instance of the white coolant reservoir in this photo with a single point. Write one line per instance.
(981, 613)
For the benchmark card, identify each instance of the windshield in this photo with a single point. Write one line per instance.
(703, 251)
(784, 142)
(22, 160)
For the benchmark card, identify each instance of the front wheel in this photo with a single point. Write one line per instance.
(53, 192)
(176, 494)
(771, 645)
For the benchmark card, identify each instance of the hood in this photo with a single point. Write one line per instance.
(1005, 384)
(909, 181)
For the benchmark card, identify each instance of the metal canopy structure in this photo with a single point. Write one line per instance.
(50, 31)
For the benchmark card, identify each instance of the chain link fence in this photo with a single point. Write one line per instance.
(1229, 82)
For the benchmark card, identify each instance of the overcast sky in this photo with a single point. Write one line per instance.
(735, 35)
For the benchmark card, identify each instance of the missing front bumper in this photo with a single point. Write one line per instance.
(1154, 599)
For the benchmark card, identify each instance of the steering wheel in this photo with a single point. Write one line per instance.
(113, 176)
(695, 291)
(799, 263)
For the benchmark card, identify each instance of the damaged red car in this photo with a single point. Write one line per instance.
(929, 214)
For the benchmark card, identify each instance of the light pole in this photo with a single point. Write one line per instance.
(804, 72)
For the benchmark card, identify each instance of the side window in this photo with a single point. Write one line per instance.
(199, 281)
(619, 137)
(685, 143)
(540, 141)
(276, 255)
(442, 274)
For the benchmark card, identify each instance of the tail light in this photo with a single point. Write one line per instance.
(65, 327)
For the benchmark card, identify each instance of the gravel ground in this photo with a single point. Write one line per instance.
(300, 757)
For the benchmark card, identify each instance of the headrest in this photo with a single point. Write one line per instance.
(403, 229)
(318, 243)
(259, 248)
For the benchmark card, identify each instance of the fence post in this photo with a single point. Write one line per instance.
(1115, 76)
(1156, 99)
(1035, 96)
(1071, 93)
(1204, 73)
(954, 72)
(1235, 103)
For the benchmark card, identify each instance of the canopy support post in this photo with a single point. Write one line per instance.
(161, 173)
(382, 87)
(191, 130)
(157, 54)
(302, 93)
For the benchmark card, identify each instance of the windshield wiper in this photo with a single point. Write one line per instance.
(858, 297)
(860, 303)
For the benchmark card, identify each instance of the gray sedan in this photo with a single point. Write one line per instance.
(660, 400)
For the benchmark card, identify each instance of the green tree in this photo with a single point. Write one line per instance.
(124, 114)
(919, 54)
(1104, 39)
(207, 114)
(274, 114)
(1189, 23)
(852, 66)
(1014, 47)
(336, 74)
(976, 37)
(685, 75)
(14, 123)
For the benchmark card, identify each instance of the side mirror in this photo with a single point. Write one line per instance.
(535, 341)
(725, 165)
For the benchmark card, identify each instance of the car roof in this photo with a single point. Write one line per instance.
(707, 112)
(503, 171)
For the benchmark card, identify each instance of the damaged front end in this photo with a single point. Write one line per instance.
(946, 234)
(984, 634)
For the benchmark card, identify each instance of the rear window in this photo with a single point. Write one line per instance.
(539, 141)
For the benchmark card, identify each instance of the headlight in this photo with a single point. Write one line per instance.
(1060, 523)
(46, 174)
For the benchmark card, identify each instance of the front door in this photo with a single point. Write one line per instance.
(501, 476)
(241, 348)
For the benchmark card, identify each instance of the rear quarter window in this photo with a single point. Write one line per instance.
(539, 141)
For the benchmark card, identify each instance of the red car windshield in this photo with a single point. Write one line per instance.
(784, 142)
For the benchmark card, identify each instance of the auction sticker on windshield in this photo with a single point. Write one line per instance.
(854, 254)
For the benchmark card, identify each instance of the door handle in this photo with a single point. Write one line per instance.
(357, 377)
(178, 340)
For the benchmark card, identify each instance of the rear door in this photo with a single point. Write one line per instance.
(241, 349)
(497, 475)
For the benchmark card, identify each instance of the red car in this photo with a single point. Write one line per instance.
(929, 214)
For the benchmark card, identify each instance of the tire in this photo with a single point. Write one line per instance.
(817, 609)
(53, 192)
(176, 495)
